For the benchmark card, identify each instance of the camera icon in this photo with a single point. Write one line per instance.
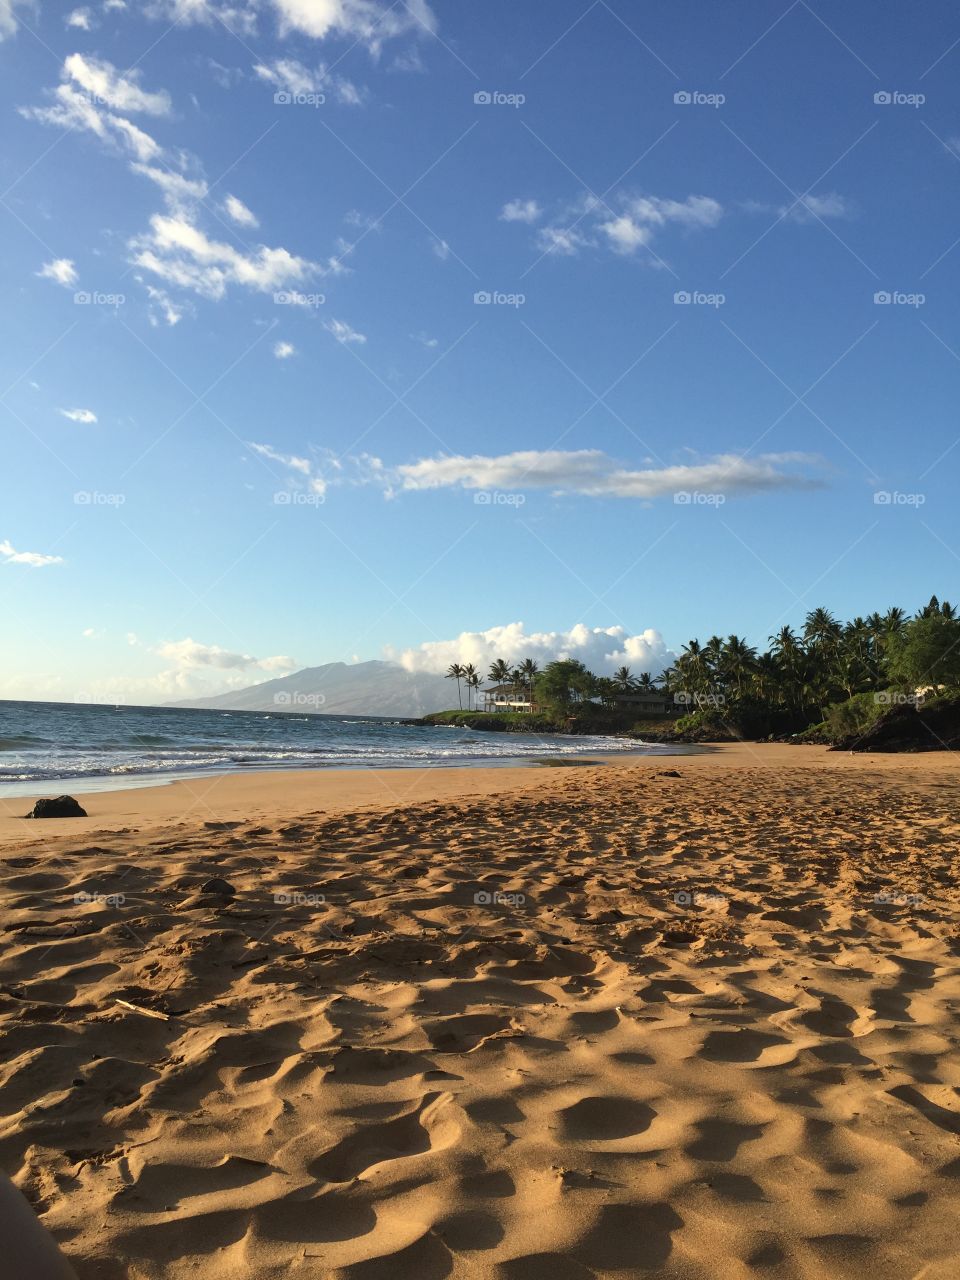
(282, 98)
(82, 298)
(482, 898)
(882, 298)
(883, 498)
(482, 98)
(82, 498)
(282, 699)
(683, 498)
(683, 898)
(682, 98)
(682, 298)
(283, 899)
(283, 498)
(483, 498)
(882, 99)
(482, 298)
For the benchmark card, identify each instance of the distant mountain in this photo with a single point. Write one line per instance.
(358, 689)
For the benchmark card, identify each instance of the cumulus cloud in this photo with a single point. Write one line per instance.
(32, 558)
(190, 653)
(344, 332)
(371, 22)
(8, 18)
(284, 350)
(520, 211)
(594, 474)
(86, 416)
(624, 225)
(601, 649)
(238, 212)
(90, 97)
(181, 254)
(61, 271)
(80, 19)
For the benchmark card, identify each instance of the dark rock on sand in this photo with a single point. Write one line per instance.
(217, 885)
(61, 807)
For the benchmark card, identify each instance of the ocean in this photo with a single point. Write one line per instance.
(82, 747)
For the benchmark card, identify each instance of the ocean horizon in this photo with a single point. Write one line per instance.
(103, 746)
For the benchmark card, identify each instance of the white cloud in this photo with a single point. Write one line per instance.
(368, 21)
(627, 223)
(183, 255)
(290, 460)
(521, 211)
(425, 340)
(162, 306)
(594, 474)
(60, 270)
(180, 194)
(85, 416)
(190, 653)
(601, 649)
(118, 90)
(284, 350)
(344, 332)
(811, 208)
(8, 19)
(33, 558)
(81, 19)
(90, 93)
(238, 212)
(441, 249)
(291, 77)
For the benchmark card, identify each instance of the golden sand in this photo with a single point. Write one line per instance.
(509, 1023)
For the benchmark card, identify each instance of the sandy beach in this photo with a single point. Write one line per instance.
(687, 1016)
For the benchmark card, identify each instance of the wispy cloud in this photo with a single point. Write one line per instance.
(238, 212)
(624, 224)
(344, 332)
(32, 558)
(85, 416)
(190, 653)
(284, 350)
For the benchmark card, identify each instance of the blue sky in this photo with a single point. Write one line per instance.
(255, 416)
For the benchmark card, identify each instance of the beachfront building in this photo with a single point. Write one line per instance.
(647, 703)
(508, 697)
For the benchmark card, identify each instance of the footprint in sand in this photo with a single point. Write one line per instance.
(605, 1119)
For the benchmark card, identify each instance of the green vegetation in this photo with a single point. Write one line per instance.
(832, 681)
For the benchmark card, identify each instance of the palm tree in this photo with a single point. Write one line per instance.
(499, 672)
(623, 679)
(529, 670)
(471, 678)
(473, 682)
(456, 672)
